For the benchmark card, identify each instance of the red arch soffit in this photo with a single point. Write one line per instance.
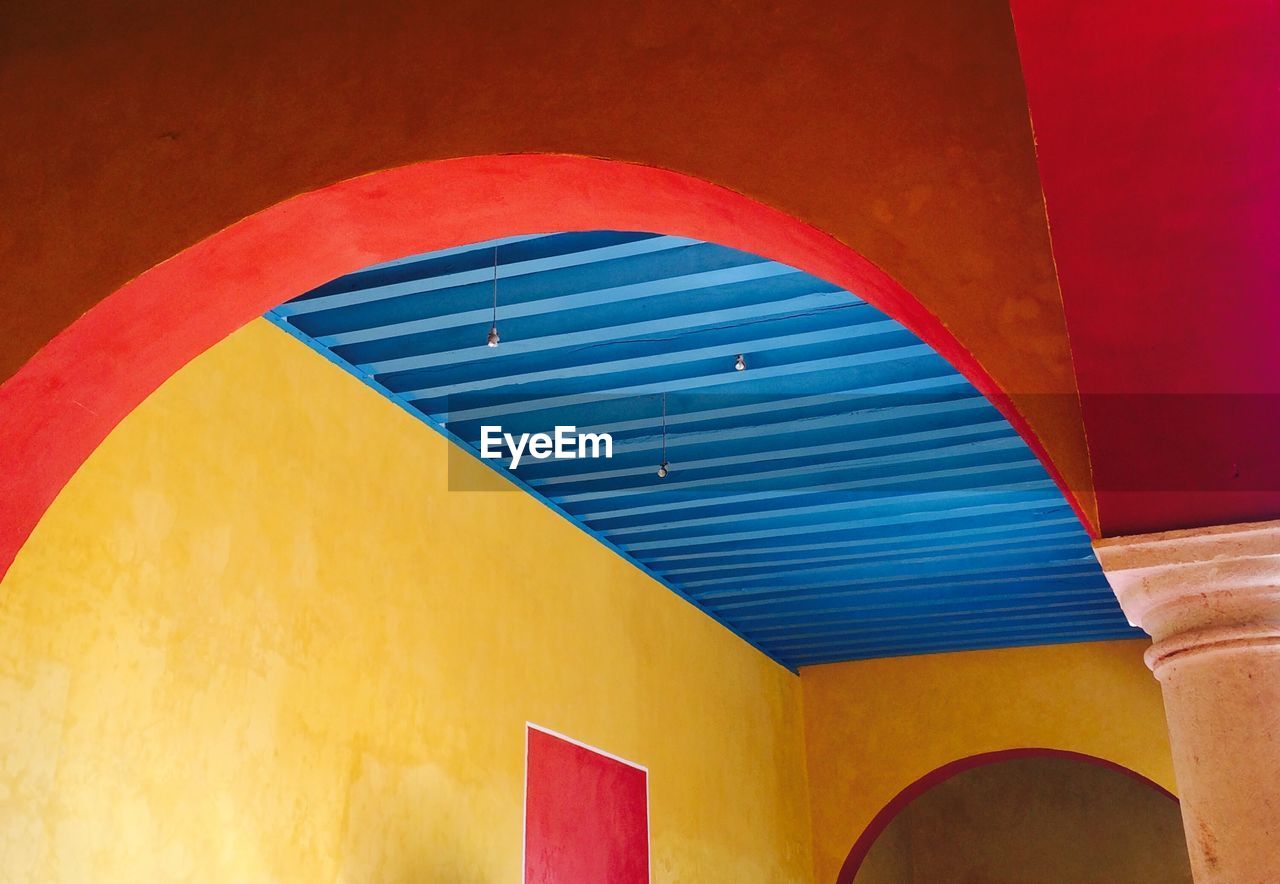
(64, 401)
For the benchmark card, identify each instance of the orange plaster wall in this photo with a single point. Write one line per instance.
(899, 127)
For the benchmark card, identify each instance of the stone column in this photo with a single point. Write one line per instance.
(1210, 598)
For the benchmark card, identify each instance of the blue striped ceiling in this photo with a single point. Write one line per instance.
(849, 495)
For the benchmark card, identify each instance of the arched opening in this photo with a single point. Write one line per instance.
(65, 400)
(262, 547)
(1024, 814)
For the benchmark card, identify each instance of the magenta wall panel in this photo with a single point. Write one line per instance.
(586, 814)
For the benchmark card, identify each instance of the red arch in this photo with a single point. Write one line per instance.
(66, 398)
(890, 811)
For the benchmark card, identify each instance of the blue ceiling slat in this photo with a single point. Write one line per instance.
(673, 354)
(969, 517)
(848, 495)
(550, 284)
(744, 284)
(749, 461)
(806, 595)
(476, 265)
(959, 624)
(1065, 636)
(897, 471)
(937, 409)
(809, 441)
(850, 569)
(666, 358)
(900, 365)
(719, 506)
(807, 474)
(898, 362)
(623, 414)
(970, 537)
(872, 510)
(798, 588)
(932, 393)
(750, 565)
(550, 332)
(829, 599)
(906, 599)
(960, 640)
(841, 424)
(941, 615)
(834, 601)
(982, 627)
(723, 472)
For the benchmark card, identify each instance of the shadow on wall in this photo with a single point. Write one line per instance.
(1048, 820)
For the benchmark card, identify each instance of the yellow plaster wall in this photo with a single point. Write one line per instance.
(874, 727)
(257, 639)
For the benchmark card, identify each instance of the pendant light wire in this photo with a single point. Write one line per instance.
(664, 429)
(493, 328)
(663, 466)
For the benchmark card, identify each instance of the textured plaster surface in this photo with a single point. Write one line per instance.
(898, 127)
(1158, 138)
(1047, 820)
(257, 639)
(874, 727)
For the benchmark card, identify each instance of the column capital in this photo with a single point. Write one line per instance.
(1201, 590)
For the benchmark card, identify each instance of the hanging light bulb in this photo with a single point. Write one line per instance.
(663, 467)
(493, 329)
(741, 364)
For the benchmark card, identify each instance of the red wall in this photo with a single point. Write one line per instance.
(1158, 131)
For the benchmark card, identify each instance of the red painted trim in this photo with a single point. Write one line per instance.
(62, 403)
(890, 811)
